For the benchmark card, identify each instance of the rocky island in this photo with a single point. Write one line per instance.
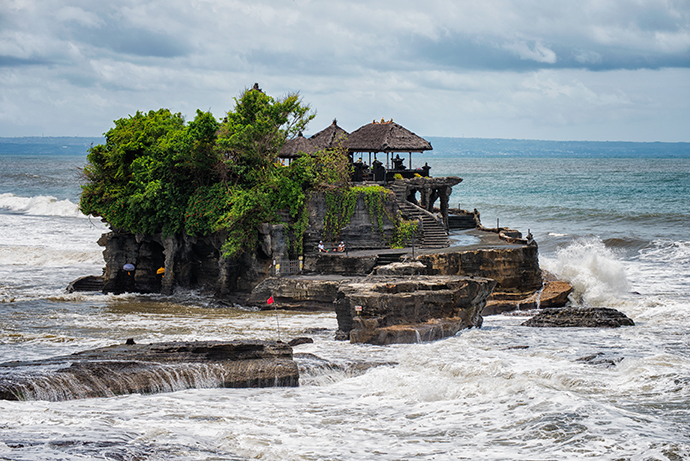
(251, 212)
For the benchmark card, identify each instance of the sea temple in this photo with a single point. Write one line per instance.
(389, 269)
(338, 222)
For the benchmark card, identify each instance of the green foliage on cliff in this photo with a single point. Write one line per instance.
(404, 232)
(142, 177)
(158, 174)
(341, 202)
(155, 173)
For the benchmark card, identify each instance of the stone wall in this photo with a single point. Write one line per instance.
(362, 233)
(190, 262)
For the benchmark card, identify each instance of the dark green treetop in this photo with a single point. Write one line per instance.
(157, 174)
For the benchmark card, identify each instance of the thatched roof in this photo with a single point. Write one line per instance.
(385, 137)
(299, 144)
(329, 137)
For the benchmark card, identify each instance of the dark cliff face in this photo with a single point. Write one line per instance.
(197, 262)
(192, 262)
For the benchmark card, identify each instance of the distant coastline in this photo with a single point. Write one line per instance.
(496, 147)
(456, 146)
(48, 145)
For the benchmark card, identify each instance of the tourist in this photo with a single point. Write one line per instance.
(321, 247)
(341, 247)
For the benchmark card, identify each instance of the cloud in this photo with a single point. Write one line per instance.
(75, 65)
(537, 52)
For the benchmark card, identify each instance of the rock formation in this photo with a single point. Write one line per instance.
(554, 293)
(580, 317)
(147, 369)
(388, 310)
(298, 292)
(515, 268)
(360, 234)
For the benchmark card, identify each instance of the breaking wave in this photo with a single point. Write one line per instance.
(41, 205)
(593, 269)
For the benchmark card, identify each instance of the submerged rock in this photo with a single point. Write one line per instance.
(580, 317)
(149, 369)
(86, 283)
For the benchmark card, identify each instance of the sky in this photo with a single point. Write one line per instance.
(530, 69)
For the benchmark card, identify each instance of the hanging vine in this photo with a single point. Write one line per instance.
(341, 203)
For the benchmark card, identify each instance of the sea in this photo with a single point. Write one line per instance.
(612, 218)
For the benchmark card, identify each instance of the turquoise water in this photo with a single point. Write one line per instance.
(611, 218)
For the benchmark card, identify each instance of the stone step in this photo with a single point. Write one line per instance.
(388, 258)
(434, 234)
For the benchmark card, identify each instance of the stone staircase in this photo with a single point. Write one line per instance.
(434, 233)
(388, 258)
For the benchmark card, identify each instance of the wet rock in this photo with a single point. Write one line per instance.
(152, 368)
(301, 340)
(389, 310)
(402, 268)
(86, 283)
(296, 292)
(599, 360)
(513, 268)
(553, 294)
(601, 317)
(339, 263)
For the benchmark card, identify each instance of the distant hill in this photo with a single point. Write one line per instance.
(50, 145)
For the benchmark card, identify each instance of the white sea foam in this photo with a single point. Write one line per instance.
(41, 205)
(597, 275)
(39, 256)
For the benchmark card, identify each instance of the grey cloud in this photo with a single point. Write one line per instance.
(464, 52)
(121, 38)
(13, 61)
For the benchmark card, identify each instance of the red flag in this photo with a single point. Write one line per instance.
(270, 300)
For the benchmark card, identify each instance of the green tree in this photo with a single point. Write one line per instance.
(157, 174)
(141, 179)
(253, 133)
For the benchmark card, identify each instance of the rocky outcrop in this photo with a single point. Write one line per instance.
(153, 368)
(296, 292)
(187, 261)
(339, 263)
(514, 268)
(554, 293)
(580, 317)
(402, 268)
(86, 283)
(388, 310)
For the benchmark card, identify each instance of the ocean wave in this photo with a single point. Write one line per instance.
(594, 271)
(40, 205)
(42, 257)
(670, 251)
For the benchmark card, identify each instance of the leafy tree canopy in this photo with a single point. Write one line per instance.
(156, 173)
